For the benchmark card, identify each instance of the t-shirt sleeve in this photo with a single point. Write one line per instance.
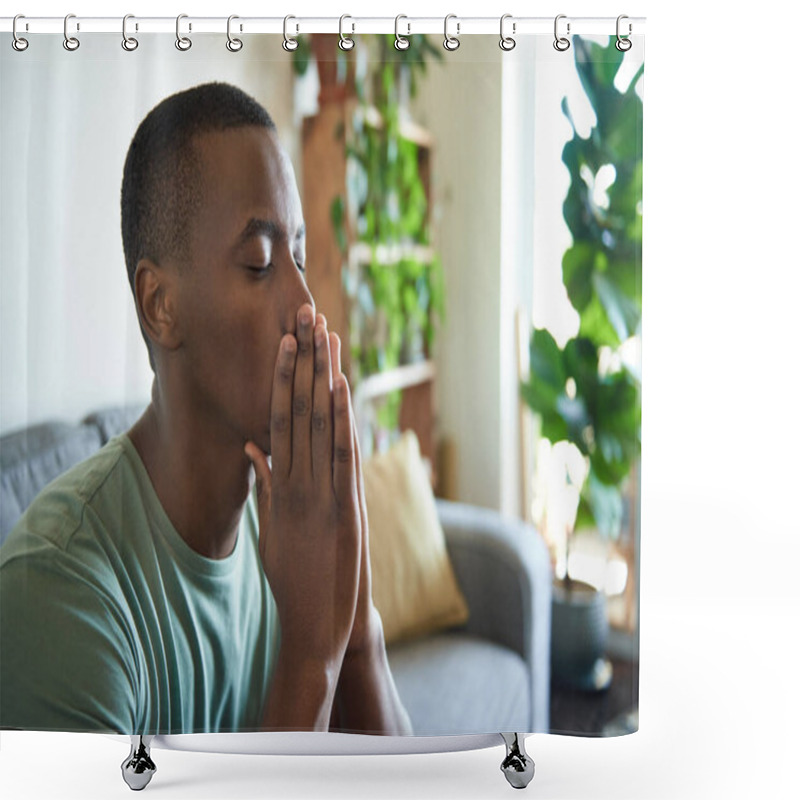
(66, 663)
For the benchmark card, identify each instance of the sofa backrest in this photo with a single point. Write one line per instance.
(33, 457)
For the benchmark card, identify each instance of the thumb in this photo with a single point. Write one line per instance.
(263, 489)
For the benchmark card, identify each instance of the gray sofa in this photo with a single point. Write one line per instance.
(501, 564)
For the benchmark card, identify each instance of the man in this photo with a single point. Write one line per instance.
(150, 589)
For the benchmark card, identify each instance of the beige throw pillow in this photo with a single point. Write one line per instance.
(413, 584)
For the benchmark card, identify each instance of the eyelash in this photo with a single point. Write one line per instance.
(261, 270)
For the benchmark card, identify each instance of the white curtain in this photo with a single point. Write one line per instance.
(70, 343)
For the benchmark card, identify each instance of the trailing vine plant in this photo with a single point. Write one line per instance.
(399, 303)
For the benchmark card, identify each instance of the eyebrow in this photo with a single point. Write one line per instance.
(266, 227)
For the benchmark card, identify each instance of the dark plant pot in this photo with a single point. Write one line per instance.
(579, 636)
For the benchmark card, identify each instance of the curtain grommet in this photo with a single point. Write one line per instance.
(451, 43)
(401, 42)
(289, 44)
(233, 44)
(129, 43)
(183, 43)
(18, 42)
(71, 43)
(561, 43)
(507, 42)
(345, 42)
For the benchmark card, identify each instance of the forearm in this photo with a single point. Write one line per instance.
(366, 698)
(300, 696)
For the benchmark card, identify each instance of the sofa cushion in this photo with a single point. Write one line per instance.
(115, 420)
(32, 458)
(453, 683)
(413, 584)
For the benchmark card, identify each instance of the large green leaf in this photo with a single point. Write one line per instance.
(595, 325)
(576, 271)
(547, 367)
(622, 312)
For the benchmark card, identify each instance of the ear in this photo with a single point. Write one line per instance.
(156, 300)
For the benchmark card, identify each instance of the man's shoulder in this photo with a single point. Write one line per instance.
(74, 500)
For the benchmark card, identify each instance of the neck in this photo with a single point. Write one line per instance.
(200, 473)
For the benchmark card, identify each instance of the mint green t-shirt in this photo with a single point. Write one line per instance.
(109, 621)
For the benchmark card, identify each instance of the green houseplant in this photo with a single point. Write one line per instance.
(586, 393)
(598, 409)
(398, 300)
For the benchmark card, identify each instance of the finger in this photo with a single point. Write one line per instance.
(280, 425)
(362, 505)
(322, 413)
(303, 387)
(357, 460)
(343, 461)
(336, 354)
(263, 490)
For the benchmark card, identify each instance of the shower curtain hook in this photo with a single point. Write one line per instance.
(233, 44)
(400, 42)
(70, 42)
(623, 42)
(18, 43)
(345, 42)
(181, 42)
(128, 42)
(506, 42)
(289, 44)
(561, 43)
(451, 42)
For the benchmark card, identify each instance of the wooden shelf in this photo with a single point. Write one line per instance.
(388, 255)
(408, 128)
(399, 378)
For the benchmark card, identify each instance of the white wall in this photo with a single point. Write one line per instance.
(69, 340)
(459, 102)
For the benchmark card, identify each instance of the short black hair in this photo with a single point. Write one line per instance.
(161, 182)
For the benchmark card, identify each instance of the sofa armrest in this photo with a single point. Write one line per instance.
(503, 568)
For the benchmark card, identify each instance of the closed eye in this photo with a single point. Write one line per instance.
(259, 270)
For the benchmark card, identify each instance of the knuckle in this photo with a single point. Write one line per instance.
(285, 372)
(319, 421)
(280, 422)
(303, 346)
(301, 405)
(341, 453)
(320, 366)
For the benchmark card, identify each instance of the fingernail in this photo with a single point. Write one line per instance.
(319, 336)
(340, 385)
(305, 315)
(288, 344)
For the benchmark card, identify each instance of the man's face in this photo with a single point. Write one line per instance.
(243, 287)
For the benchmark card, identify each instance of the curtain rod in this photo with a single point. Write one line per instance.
(457, 26)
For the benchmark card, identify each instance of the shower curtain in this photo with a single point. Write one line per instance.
(468, 219)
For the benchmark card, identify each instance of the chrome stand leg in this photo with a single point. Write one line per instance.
(138, 768)
(518, 766)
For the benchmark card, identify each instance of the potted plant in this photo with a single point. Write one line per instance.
(588, 393)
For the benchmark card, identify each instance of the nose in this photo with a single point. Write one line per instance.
(300, 295)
